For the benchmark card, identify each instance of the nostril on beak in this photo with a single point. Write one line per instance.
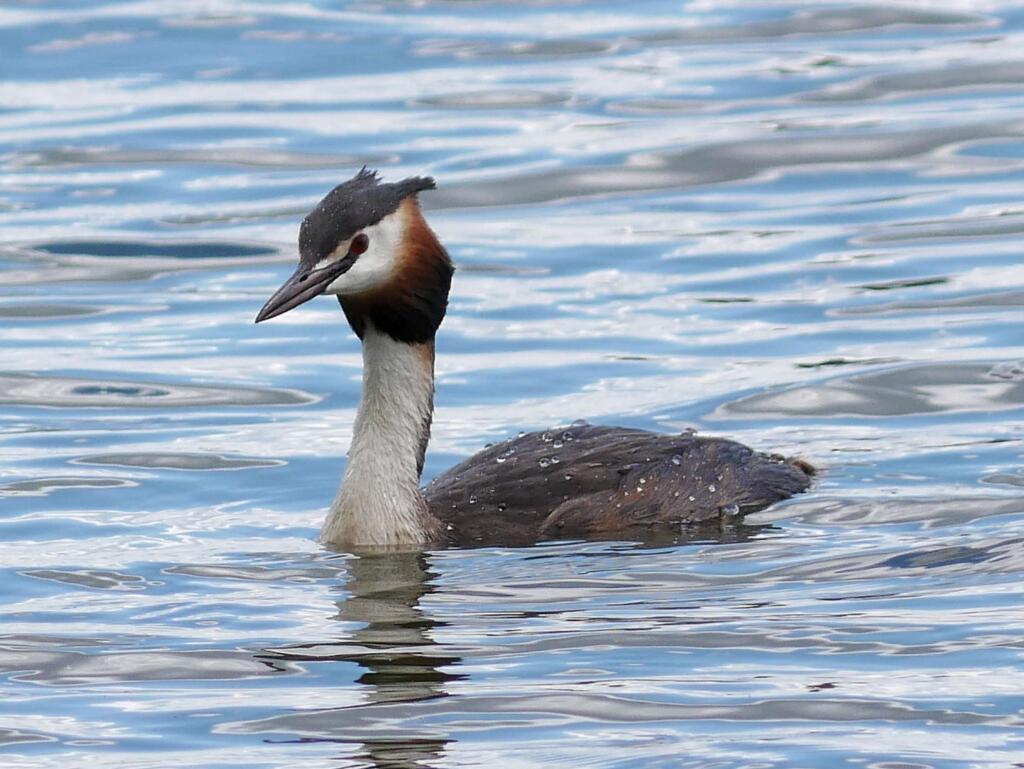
(303, 278)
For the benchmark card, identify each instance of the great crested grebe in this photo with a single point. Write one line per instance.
(368, 244)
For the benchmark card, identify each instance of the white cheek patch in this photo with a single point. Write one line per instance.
(376, 266)
(334, 256)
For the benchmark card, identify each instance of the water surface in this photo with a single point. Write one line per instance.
(795, 224)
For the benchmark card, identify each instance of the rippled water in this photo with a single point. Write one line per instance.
(799, 225)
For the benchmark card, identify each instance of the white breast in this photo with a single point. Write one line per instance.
(379, 502)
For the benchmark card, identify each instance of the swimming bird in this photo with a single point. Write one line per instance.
(368, 244)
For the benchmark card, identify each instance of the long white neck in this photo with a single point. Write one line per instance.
(379, 501)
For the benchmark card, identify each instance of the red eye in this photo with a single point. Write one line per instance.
(359, 244)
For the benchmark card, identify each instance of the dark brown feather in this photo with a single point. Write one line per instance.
(602, 480)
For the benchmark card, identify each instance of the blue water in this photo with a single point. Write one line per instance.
(798, 225)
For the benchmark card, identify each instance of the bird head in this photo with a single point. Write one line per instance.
(367, 243)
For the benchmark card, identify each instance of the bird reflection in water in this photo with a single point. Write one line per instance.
(401, 663)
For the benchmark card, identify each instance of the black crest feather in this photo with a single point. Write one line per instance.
(360, 202)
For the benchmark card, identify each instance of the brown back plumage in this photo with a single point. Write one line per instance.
(602, 480)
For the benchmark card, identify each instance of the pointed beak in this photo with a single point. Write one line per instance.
(302, 286)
